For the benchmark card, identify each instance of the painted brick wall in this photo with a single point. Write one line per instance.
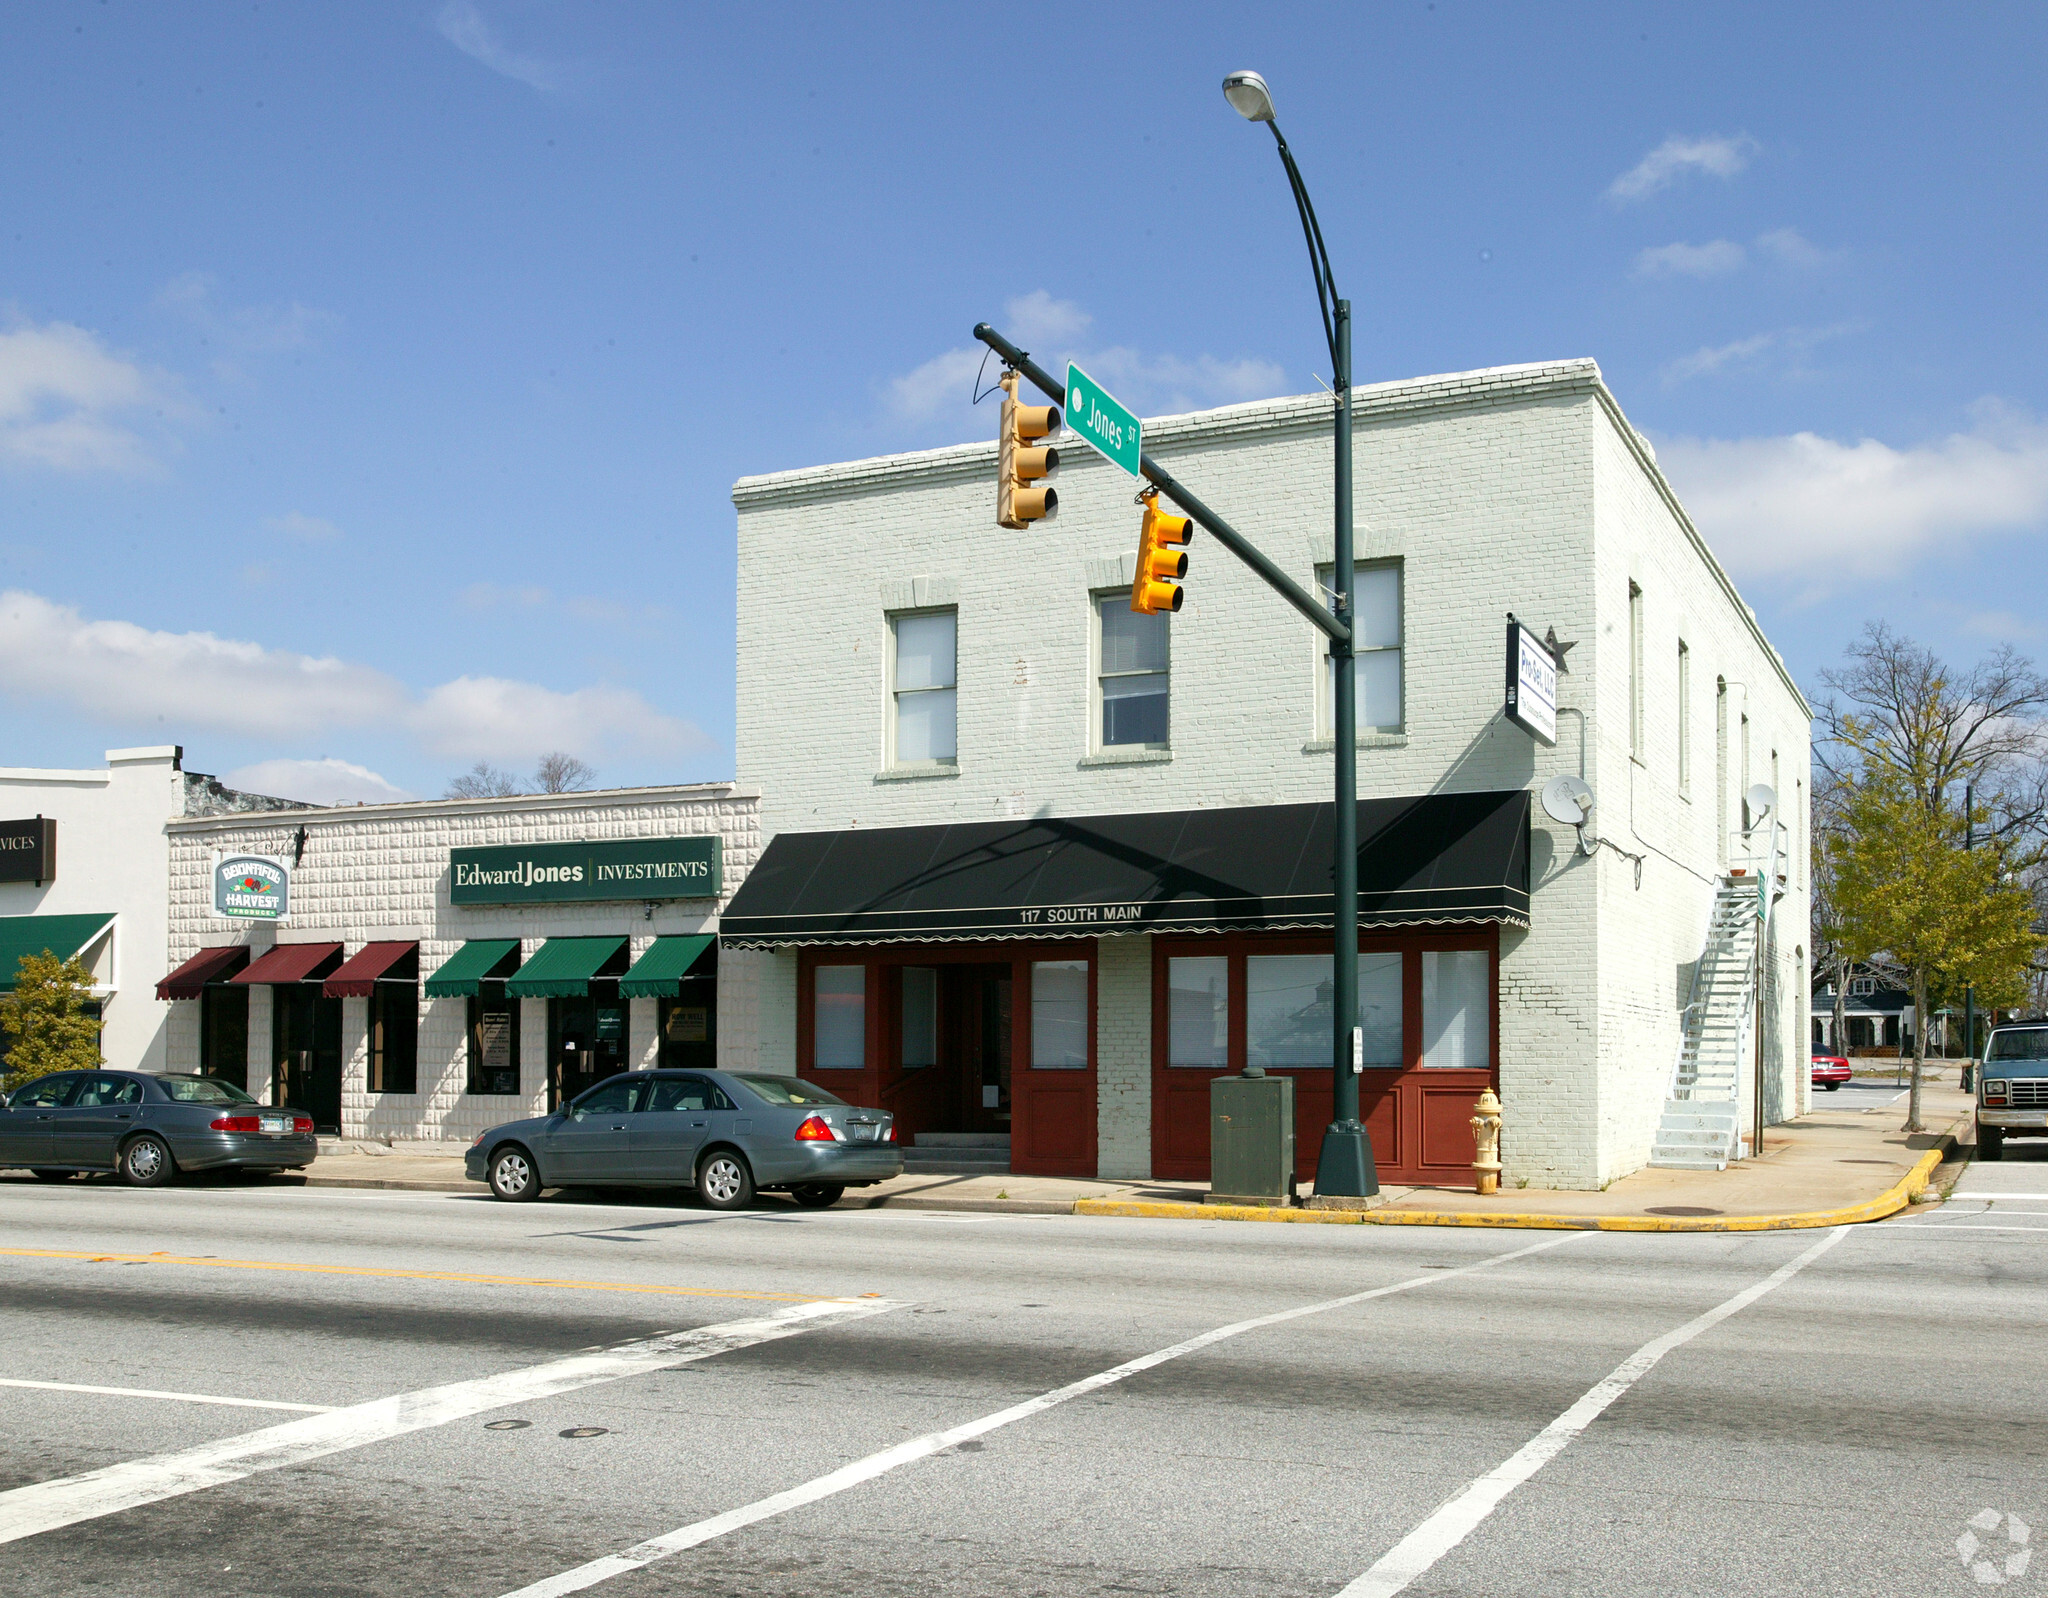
(1497, 491)
(1123, 1056)
(378, 872)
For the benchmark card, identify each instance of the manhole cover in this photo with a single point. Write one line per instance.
(585, 1431)
(1682, 1209)
(506, 1425)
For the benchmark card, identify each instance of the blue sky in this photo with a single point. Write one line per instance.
(373, 377)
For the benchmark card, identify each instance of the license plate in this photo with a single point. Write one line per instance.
(860, 1134)
(276, 1123)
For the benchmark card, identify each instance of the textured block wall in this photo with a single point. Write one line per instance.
(1123, 1056)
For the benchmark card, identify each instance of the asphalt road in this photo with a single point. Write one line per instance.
(861, 1403)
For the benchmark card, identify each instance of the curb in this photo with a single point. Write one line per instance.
(1893, 1199)
(403, 1183)
(884, 1202)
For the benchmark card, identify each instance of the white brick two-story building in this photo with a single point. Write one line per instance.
(1036, 865)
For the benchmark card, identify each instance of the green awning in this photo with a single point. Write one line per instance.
(467, 966)
(62, 936)
(658, 974)
(562, 968)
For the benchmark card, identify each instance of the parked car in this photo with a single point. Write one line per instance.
(2012, 1088)
(1830, 1071)
(147, 1128)
(728, 1134)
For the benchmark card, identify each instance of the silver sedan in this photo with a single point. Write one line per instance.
(147, 1127)
(728, 1134)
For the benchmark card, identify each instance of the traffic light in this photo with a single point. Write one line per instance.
(1021, 465)
(1162, 559)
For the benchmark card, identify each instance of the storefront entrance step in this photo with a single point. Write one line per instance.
(967, 1162)
(962, 1140)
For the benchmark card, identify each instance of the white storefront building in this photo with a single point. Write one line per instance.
(1035, 866)
(445, 965)
(85, 870)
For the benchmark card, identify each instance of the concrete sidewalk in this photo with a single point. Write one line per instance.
(1813, 1171)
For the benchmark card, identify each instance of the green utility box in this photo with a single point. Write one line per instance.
(1251, 1139)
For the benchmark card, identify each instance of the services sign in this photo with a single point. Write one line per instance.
(251, 887)
(28, 850)
(1101, 421)
(583, 873)
(1532, 684)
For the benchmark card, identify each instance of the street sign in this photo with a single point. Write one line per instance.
(1102, 423)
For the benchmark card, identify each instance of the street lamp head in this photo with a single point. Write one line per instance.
(1248, 96)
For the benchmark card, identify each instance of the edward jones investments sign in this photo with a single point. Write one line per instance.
(579, 873)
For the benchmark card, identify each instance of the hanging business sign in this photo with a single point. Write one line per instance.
(1532, 684)
(582, 873)
(28, 850)
(251, 887)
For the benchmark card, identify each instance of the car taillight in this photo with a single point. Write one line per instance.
(816, 1130)
(235, 1123)
(303, 1123)
(889, 1133)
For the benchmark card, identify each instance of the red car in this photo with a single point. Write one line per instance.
(1830, 1071)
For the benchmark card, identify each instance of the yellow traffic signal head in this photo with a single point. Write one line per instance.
(1162, 561)
(1019, 464)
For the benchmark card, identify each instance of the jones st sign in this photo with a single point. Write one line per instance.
(573, 873)
(1101, 421)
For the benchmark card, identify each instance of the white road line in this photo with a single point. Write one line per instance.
(182, 1398)
(45, 1506)
(1458, 1518)
(865, 1470)
(1960, 1226)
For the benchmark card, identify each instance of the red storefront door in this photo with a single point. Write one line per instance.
(1432, 1002)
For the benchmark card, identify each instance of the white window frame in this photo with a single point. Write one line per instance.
(1326, 708)
(892, 704)
(1095, 675)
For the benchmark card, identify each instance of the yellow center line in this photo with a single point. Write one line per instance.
(415, 1276)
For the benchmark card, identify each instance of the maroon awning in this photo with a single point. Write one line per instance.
(208, 965)
(291, 962)
(358, 975)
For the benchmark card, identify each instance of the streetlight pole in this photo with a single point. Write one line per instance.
(1969, 988)
(1344, 1167)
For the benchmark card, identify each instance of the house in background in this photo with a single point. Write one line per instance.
(1876, 1019)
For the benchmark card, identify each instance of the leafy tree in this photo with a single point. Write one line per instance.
(483, 781)
(48, 1019)
(561, 772)
(1904, 887)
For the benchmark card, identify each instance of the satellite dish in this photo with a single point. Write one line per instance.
(1762, 799)
(1569, 800)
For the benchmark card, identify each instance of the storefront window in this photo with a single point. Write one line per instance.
(1288, 999)
(689, 1028)
(224, 1033)
(1457, 1009)
(394, 1037)
(920, 1016)
(493, 1040)
(1198, 1011)
(1059, 1014)
(840, 1027)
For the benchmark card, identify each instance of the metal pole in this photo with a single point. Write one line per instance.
(1345, 1166)
(1969, 988)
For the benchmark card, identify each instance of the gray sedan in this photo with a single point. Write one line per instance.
(728, 1134)
(148, 1128)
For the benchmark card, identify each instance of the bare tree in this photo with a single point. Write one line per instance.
(483, 781)
(562, 773)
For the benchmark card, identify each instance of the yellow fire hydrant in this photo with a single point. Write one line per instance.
(1486, 1135)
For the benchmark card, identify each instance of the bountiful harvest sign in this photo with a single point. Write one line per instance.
(575, 873)
(251, 887)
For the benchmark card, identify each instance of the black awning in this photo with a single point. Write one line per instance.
(1441, 860)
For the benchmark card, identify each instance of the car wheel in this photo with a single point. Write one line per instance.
(817, 1195)
(724, 1182)
(1990, 1143)
(1832, 1087)
(514, 1177)
(145, 1162)
(55, 1176)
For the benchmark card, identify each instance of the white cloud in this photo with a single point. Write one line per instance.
(1746, 353)
(1692, 260)
(1789, 247)
(1054, 331)
(319, 782)
(117, 672)
(1803, 503)
(463, 26)
(489, 596)
(240, 330)
(306, 529)
(1715, 155)
(65, 401)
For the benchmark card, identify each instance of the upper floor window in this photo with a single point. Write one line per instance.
(922, 688)
(1862, 987)
(1376, 649)
(1131, 680)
